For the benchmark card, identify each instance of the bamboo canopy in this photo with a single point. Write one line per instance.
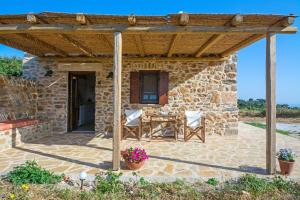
(84, 37)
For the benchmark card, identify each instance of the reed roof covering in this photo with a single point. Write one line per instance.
(81, 37)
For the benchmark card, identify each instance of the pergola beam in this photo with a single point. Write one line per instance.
(139, 44)
(145, 29)
(117, 103)
(34, 19)
(236, 20)
(242, 44)
(172, 45)
(105, 40)
(82, 19)
(271, 103)
(285, 22)
(132, 19)
(42, 43)
(184, 19)
(18, 45)
(78, 45)
(79, 59)
(210, 42)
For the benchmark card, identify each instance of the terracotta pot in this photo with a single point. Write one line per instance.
(286, 167)
(134, 165)
(131, 165)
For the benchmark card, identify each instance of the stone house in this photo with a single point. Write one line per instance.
(87, 69)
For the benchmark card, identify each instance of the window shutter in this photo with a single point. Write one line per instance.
(134, 87)
(163, 87)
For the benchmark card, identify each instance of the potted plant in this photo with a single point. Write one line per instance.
(286, 158)
(134, 157)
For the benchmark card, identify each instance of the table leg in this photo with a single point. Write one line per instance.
(151, 129)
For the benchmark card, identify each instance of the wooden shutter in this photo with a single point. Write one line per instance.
(134, 87)
(163, 87)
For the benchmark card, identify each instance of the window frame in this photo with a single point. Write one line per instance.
(142, 73)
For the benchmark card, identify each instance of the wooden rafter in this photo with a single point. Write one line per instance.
(105, 40)
(242, 44)
(132, 59)
(210, 42)
(34, 19)
(132, 19)
(42, 43)
(18, 45)
(184, 19)
(172, 44)
(83, 19)
(287, 21)
(78, 45)
(236, 20)
(139, 44)
(141, 29)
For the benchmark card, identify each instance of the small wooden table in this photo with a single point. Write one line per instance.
(160, 118)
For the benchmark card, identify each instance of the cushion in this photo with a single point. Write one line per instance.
(193, 119)
(132, 117)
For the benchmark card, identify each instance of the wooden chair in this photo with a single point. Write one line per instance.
(132, 123)
(194, 125)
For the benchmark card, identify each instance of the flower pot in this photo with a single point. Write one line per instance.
(134, 165)
(131, 165)
(286, 167)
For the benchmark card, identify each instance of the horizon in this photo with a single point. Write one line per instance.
(251, 60)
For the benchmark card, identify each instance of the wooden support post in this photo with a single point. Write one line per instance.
(117, 99)
(271, 103)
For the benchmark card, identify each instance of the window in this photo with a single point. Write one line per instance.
(149, 87)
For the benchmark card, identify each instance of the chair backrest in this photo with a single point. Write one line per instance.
(193, 118)
(132, 117)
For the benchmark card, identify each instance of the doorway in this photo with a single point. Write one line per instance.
(81, 111)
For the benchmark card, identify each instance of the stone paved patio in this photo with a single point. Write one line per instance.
(221, 157)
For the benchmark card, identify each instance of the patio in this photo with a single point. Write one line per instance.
(221, 157)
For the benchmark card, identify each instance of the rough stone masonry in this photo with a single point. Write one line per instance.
(208, 87)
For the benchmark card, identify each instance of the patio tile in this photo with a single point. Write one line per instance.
(220, 156)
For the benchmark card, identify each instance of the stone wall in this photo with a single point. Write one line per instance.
(18, 98)
(11, 138)
(52, 104)
(209, 87)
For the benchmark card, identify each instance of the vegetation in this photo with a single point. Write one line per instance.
(111, 187)
(286, 154)
(10, 66)
(212, 181)
(31, 172)
(261, 125)
(256, 108)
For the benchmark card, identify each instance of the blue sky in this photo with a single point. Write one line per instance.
(251, 64)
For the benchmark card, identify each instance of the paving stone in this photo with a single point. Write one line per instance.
(220, 156)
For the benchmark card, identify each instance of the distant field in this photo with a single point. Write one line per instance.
(256, 108)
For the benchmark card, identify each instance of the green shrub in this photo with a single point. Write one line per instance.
(31, 172)
(10, 66)
(259, 186)
(109, 184)
(212, 181)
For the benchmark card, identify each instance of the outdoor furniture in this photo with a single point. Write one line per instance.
(194, 125)
(132, 123)
(170, 119)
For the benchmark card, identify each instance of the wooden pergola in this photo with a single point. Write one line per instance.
(83, 38)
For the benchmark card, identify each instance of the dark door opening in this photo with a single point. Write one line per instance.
(81, 114)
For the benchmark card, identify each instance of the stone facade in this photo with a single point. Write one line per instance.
(14, 137)
(18, 98)
(208, 87)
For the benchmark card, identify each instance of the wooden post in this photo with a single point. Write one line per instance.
(117, 99)
(271, 103)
